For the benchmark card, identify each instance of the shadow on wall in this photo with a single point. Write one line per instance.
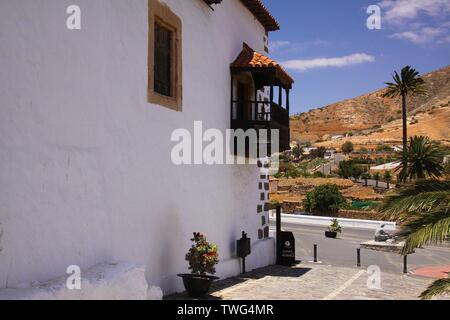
(168, 248)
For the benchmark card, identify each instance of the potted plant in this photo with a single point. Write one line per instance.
(333, 229)
(202, 258)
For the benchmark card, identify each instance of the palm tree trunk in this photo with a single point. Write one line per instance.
(405, 124)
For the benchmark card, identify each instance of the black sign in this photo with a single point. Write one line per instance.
(287, 247)
(243, 246)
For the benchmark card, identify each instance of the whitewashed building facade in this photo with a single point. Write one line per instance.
(85, 165)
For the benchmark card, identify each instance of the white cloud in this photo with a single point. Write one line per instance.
(303, 65)
(445, 40)
(398, 11)
(275, 45)
(288, 46)
(421, 36)
(417, 21)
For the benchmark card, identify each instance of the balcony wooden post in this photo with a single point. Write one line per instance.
(256, 103)
(232, 99)
(287, 100)
(280, 96)
(271, 95)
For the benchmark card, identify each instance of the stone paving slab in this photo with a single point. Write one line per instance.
(308, 281)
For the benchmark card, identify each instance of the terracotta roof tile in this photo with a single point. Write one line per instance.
(263, 15)
(249, 58)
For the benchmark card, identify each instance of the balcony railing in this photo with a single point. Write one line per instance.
(257, 115)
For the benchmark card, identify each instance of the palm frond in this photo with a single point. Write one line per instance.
(433, 227)
(407, 82)
(426, 195)
(439, 287)
(422, 159)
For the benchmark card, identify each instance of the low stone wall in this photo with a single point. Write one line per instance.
(344, 222)
(292, 206)
(364, 215)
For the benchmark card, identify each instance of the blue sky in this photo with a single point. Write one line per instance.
(326, 46)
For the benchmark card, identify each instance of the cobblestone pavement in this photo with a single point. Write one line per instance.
(308, 281)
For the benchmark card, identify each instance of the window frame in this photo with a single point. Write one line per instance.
(161, 14)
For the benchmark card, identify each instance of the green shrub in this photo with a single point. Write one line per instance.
(325, 198)
(348, 147)
(335, 226)
(349, 169)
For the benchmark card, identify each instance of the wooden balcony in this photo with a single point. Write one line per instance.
(254, 79)
(262, 115)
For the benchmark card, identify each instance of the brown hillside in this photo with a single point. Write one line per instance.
(365, 115)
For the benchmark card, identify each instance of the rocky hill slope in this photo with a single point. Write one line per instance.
(372, 117)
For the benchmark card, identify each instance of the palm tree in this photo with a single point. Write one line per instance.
(427, 204)
(365, 176)
(377, 178)
(407, 83)
(388, 178)
(422, 159)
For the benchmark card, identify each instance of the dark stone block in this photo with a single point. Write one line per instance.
(263, 177)
(260, 186)
(259, 208)
(260, 234)
(263, 196)
(266, 206)
(260, 164)
(266, 232)
(263, 221)
(266, 186)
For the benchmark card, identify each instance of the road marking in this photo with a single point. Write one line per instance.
(347, 284)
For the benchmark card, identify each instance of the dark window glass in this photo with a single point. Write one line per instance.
(163, 56)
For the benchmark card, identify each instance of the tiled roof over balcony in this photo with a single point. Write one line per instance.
(249, 58)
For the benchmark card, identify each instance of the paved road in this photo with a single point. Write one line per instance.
(342, 251)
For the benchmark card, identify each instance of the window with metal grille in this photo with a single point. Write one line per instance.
(163, 60)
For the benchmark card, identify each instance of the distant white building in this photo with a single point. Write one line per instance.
(386, 167)
(337, 137)
(307, 150)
